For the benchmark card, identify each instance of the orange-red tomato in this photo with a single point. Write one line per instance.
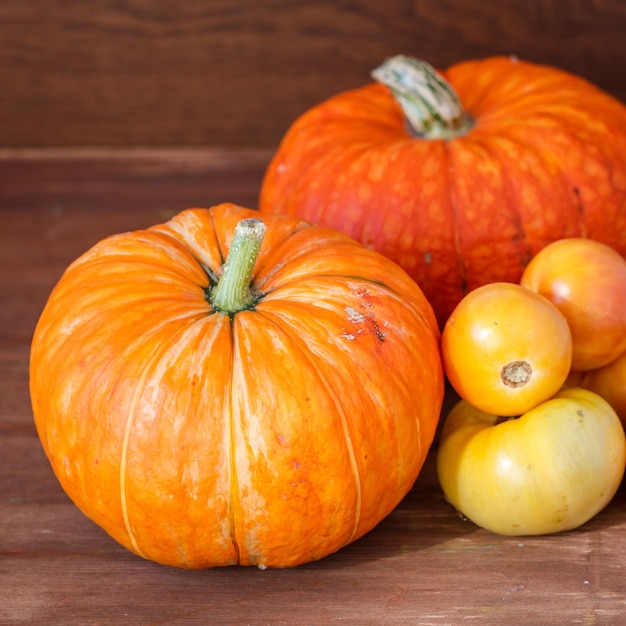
(609, 382)
(586, 280)
(506, 349)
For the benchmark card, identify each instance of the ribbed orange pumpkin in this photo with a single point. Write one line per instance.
(497, 160)
(203, 428)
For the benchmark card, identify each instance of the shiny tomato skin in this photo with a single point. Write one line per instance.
(608, 382)
(550, 470)
(506, 349)
(586, 280)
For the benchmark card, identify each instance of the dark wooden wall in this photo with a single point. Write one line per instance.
(237, 72)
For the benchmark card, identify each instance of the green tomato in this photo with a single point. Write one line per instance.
(549, 470)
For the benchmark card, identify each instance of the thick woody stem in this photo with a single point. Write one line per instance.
(432, 108)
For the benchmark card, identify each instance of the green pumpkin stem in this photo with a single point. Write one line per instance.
(232, 292)
(432, 108)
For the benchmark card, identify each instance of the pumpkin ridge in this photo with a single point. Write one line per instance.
(268, 264)
(381, 291)
(305, 354)
(218, 239)
(414, 310)
(506, 179)
(455, 211)
(546, 151)
(178, 229)
(267, 273)
(561, 175)
(369, 153)
(234, 498)
(150, 366)
(139, 387)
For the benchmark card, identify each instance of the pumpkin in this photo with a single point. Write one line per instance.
(265, 409)
(459, 176)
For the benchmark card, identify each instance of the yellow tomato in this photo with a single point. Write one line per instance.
(506, 349)
(609, 382)
(586, 280)
(550, 470)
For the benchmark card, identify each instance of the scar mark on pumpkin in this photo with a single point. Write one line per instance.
(354, 316)
(366, 323)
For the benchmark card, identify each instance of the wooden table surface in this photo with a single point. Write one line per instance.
(423, 565)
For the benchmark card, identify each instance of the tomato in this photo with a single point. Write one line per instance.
(550, 470)
(586, 280)
(609, 382)
(506, 349)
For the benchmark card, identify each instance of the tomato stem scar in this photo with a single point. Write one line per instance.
(516, 374)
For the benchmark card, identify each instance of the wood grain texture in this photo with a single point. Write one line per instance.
(238, 72)
(135, 179)
(423, 565)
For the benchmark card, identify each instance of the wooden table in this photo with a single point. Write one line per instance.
(423, 565)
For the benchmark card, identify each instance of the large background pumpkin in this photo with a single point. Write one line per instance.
(271, 435)
(537, 154)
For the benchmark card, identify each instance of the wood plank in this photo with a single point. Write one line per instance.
(131, 179)
(423, 565)
(150, 73)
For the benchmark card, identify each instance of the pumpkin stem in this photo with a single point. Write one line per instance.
(432, 108)
(232, 292)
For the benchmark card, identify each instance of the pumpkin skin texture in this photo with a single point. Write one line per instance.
(271, 436)
(545, 159)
